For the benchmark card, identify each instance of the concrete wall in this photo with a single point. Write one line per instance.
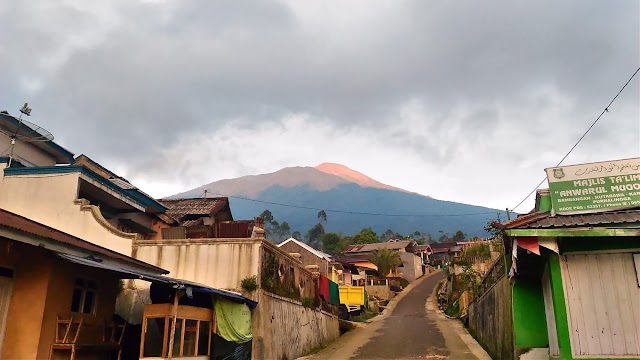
(307, 257)
(490, 320)
(57, 207)
(287, 329)
(380, 291)
(412, 266)
(219, 263)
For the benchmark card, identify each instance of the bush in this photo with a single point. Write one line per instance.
(249, 284)
(308, 302)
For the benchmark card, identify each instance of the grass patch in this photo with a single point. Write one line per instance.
(364, 316)
(438, 287)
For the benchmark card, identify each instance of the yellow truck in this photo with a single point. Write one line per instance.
(353, 300)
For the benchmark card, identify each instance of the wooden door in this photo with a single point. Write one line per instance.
(603, 304)
(6, 284)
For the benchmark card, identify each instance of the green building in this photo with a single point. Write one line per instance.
(575, 265)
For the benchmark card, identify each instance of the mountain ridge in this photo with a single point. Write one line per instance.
(353, 201)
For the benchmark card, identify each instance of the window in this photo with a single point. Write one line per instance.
(192, 335)
(84, 296)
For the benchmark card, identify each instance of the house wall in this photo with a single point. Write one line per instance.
(57, 207)
(412, 266)
(58, 303)
(307, 257)
(28, 298)
(219, 263)
(490, 320)
(288, 330)
(27, 151)
(42, 290)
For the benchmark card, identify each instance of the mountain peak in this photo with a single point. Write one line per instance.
(353, 176)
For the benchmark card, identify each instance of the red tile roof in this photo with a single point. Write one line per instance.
(17, 222)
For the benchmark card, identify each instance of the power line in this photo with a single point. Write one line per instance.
(606, 109)
(347, 212)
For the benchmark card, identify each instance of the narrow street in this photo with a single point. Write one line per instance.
(411, 330)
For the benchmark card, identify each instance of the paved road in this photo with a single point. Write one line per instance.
(408, 332)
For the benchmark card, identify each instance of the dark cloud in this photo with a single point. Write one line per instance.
(130, 80)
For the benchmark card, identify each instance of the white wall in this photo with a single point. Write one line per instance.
(219, 263)
(51, 200)
(412, 266)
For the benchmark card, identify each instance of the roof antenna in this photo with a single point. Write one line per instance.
(25, 130)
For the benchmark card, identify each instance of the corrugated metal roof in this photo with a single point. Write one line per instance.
(155, 278)
(178, 208)
(371, 247)
(563, 221)
(11, 220)
(544, 220)
(317, 253)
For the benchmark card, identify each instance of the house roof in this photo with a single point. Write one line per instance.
(20, 223)
(133, 194)
(360, 248)
(315, 252)
(425, 247)
(181, 208)
(544, 220)
(62, 155)
(443, 245)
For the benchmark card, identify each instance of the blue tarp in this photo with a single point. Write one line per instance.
(129, 273)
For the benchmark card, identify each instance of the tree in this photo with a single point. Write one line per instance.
(267, 216)
(332, 244)
(365, 236)
(322, 217)
(314, 236)
(386, 260)
(387, 235)
(458, 236)
(284, 230)
(296, 235)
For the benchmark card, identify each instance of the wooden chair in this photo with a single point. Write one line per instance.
(67, 331)
(68, 337)
(113, 335)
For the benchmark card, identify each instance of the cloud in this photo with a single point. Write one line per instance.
(179, 93)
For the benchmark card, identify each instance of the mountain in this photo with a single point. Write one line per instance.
(360, 202)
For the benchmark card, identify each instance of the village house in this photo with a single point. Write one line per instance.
(573, 267)
(410, 269)
(199, 241)
(53, 305)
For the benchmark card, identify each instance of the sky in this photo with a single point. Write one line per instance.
(461, 101)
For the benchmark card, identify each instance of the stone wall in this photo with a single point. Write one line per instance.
(380, 291)
(284, 329)
(490, 320)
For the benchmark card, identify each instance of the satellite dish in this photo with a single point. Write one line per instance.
(19, 129)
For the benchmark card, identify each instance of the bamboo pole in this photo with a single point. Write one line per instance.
(176, 297)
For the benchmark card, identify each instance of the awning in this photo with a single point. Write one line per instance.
(127, 273)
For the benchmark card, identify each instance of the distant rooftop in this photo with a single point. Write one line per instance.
(360, 248)
(186, 209)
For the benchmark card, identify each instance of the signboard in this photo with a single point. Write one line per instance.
(596, 187)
